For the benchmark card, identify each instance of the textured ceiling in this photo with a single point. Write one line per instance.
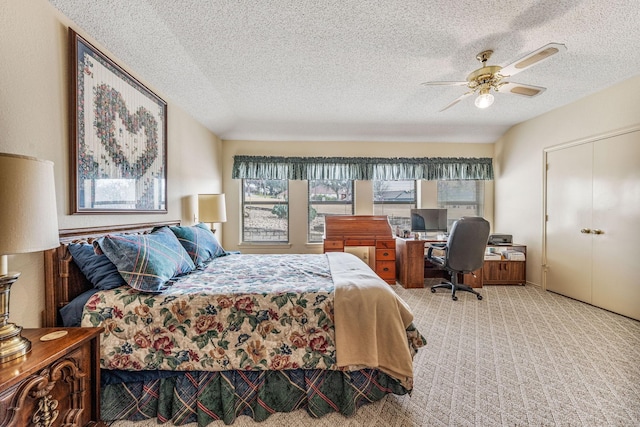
(310, 70)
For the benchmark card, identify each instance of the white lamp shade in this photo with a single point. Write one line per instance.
(28, 217)
(212, 208)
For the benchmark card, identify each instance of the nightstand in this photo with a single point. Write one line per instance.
(56, 383)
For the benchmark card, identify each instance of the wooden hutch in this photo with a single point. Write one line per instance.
(364, 230)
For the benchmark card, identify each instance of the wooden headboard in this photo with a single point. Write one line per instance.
(63, 280)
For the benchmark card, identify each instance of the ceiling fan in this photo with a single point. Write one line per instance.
(489, 77)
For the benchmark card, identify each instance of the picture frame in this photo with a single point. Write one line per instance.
(118, 137)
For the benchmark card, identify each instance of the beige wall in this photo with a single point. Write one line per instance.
(298, 189)
(34, 121)
(519, 160)
(34, 93)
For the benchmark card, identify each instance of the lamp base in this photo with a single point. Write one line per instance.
(12, 344)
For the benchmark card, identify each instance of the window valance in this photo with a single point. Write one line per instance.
(363, 168)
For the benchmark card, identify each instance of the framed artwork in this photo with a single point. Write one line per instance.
(118, 137)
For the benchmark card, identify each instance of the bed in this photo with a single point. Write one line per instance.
(230, 334)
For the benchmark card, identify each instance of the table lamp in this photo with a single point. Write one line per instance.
(212, 208)
(28, 223)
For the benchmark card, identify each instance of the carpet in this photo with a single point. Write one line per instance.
(519, 357)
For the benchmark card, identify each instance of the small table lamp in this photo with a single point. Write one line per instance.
(28, 223)
(212, 208)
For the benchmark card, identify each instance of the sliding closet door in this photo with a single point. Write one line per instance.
(569, 205)
(616, 213)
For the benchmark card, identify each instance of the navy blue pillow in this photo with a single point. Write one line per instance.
(100, 271)
(72, 313)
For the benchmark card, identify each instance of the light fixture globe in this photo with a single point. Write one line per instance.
(484, 100)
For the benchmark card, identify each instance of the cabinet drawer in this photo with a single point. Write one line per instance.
(386, 269)
(333, 245)
(385, 255)
(359, 242)
(61, 375)
(386, 244)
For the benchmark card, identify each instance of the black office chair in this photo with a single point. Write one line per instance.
(463, 252)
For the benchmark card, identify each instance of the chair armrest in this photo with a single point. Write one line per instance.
(437, 246)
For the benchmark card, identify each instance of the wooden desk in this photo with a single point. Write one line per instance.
(413, 268)
(411, 265)
(364, 230)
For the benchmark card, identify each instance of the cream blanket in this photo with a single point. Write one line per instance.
(363, 300)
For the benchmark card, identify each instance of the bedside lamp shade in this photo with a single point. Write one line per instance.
(28, 223)
(212, 208)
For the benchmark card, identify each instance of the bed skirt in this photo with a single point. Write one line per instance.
(205, 397)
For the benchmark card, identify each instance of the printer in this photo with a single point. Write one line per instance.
(500, 239)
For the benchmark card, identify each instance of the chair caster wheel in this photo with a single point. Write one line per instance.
(479, 296)
(433, 291)
(455, 298)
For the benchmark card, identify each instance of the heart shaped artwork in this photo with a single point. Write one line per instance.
(109, 106)
(120, 133)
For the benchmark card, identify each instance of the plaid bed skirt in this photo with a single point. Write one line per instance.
(205, 397)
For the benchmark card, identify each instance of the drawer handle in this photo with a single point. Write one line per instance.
(385, 269)
(385, 254)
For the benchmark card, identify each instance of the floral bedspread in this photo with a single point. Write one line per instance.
(247, 312)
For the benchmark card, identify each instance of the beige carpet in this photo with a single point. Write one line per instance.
(519, 357)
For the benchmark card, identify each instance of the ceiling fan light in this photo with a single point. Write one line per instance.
(484, 100)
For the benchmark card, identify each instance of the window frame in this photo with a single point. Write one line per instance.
(243, 219)
(411, 205)
(478, 203)
(326, 203)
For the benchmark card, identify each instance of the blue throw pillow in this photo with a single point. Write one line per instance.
(71, 313)
(147, 261)
(199, 242)
(98, 269)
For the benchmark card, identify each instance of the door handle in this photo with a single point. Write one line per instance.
(585, 231)
(597, 231)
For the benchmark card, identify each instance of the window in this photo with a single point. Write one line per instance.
(327, 197)
(265, 210)
(395, 199)
(461, 198)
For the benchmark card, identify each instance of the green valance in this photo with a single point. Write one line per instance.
(363, 168)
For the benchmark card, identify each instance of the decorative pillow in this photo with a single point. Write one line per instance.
(147, 261)
(199, 242)
(98, 269)
(71, 313)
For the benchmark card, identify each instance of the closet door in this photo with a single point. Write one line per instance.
(569, 195)
(616, 214)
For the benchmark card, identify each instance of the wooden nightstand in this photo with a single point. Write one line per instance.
(57, 383)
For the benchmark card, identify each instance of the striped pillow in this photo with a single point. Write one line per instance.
(199, 242)
(147, 261)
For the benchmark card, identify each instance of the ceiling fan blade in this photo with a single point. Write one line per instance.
(455, 101)
(532, 59)
(521, 89)
(444, 83)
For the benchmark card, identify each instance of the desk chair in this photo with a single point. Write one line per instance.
(463, 252)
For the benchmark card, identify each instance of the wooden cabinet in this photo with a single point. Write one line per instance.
(364, 230)
(385, 262)
(503, 272)
(56, 384)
